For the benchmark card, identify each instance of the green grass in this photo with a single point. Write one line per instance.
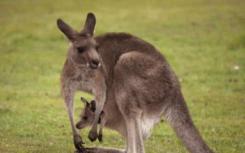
(203, 41)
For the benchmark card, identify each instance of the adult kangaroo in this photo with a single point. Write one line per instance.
(131, 75)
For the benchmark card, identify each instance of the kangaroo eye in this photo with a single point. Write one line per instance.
(85, 117)
(81, 49)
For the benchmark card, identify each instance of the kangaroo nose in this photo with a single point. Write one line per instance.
(94, 64)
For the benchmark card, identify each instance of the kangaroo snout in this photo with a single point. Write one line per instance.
(94, 64)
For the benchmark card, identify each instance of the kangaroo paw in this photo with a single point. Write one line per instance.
(78, 143)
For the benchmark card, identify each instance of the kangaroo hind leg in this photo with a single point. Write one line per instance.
(135, 142)
(130, 75)
(132, 116)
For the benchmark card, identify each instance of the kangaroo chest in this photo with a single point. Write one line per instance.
(85, 80)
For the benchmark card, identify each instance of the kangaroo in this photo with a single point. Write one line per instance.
(131, 76)
(83, 70)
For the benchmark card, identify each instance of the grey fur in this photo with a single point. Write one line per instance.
(134, 86)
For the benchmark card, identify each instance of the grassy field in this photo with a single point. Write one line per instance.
(203, 40)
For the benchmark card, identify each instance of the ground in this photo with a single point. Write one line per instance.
(203, 40)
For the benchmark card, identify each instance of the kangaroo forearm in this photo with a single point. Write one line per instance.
(100, 98)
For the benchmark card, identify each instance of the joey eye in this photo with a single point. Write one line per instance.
(81, 49)
(85, 117)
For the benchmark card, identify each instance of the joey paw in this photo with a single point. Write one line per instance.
(100, 138)
(92, 135)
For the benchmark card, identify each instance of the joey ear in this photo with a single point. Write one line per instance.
(66, 29)
(87, 105)
(93, 105)
(90, 24)
(84, 100)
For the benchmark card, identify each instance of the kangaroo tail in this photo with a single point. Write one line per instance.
(177, 115)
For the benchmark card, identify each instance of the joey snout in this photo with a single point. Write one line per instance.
(79, 125)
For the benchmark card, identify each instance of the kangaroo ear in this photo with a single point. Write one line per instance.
(90, 24)
(93, 105)
(66, 29)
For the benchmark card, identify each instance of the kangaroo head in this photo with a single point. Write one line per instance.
(83, 49)
(87, 115)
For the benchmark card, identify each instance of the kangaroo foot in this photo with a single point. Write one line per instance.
(78, 143)
(104, 150)
(92, 135)
(84, 151)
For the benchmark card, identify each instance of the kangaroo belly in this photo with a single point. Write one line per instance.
(117, 125)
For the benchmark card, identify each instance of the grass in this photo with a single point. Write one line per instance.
(204, 41)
